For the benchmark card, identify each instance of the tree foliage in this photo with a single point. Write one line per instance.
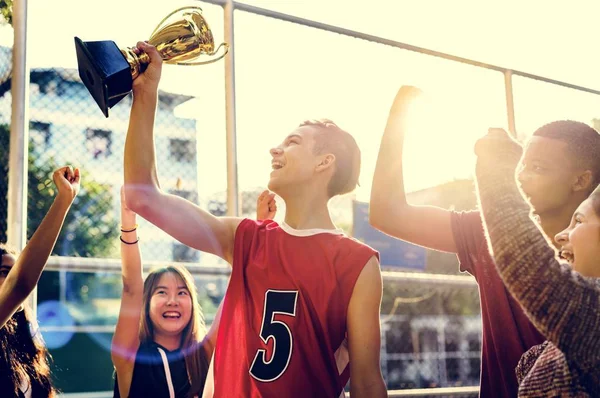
(90, 228)
(6, 9)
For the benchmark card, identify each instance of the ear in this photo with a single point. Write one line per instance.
(325, 162)
(583, 181)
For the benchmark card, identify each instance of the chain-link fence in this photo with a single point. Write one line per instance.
(430, 335)
(431, 329)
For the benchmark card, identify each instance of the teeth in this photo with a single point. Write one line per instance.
(171, 315)
(566, 255)
(276, 165)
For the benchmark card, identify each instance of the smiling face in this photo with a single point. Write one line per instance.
(319, 157)
(294, 161)
(170, 306)
(580, 242)
(546, 174)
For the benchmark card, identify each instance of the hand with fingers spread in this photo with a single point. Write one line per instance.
(67, 182)
(266, 206)
(149, 79)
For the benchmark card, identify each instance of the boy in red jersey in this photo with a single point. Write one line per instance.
(300, 291)
(560, 167)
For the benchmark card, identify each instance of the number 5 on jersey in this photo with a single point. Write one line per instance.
(276, 302)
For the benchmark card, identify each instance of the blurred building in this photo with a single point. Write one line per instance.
(67, 127)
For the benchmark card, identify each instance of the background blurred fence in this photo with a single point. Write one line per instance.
(431, 328)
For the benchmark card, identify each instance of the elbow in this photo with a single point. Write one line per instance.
(379, 214)
(374, 217)
(140, 197)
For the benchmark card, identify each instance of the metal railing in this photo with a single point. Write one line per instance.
(71, 264)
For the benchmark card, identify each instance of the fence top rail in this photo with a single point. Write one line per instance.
(434, 392)
(86, 264)
(393, 43)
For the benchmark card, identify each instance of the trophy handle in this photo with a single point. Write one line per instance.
(173, 13)
(211, 54)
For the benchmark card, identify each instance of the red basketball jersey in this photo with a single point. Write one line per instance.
(283, 324)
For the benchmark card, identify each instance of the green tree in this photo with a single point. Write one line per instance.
(90, 228)
(6, 9)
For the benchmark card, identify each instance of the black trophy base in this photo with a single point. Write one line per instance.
(104, 71)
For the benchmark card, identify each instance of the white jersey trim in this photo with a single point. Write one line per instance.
(310, 232)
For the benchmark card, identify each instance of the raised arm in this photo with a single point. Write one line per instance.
(562, 304)
(24, 275)
(389, 211)
(178, 217)
(364, 334)
(126, 341)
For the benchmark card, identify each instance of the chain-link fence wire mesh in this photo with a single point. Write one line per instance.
(67, 128)
(431, 335)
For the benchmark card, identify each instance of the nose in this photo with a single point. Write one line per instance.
(523, 176)
(562, 237)
(172, 301)
(276, 151)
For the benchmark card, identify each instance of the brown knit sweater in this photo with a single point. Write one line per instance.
(562, 304)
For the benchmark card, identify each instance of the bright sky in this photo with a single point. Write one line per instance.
(287, 73)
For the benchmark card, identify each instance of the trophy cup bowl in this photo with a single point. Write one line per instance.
(108, 72)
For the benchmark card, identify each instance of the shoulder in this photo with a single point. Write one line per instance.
(369, 284)
(248, 225)
(248, 229)
(353, 247)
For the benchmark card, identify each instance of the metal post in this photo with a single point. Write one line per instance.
(510, 104)
(233, 202)
(19, 135)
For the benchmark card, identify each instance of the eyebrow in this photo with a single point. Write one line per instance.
(289, 137)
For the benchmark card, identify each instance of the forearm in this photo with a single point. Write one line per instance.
(131, 258)
(562, 304)
(140, 158)
(388, 180)
(34, 257)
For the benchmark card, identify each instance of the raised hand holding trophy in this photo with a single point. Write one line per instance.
(108, 72)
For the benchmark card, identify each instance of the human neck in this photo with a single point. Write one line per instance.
(170, 342)
(307, 212)
(555, 221)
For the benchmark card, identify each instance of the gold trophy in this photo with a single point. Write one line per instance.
(108, 72)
